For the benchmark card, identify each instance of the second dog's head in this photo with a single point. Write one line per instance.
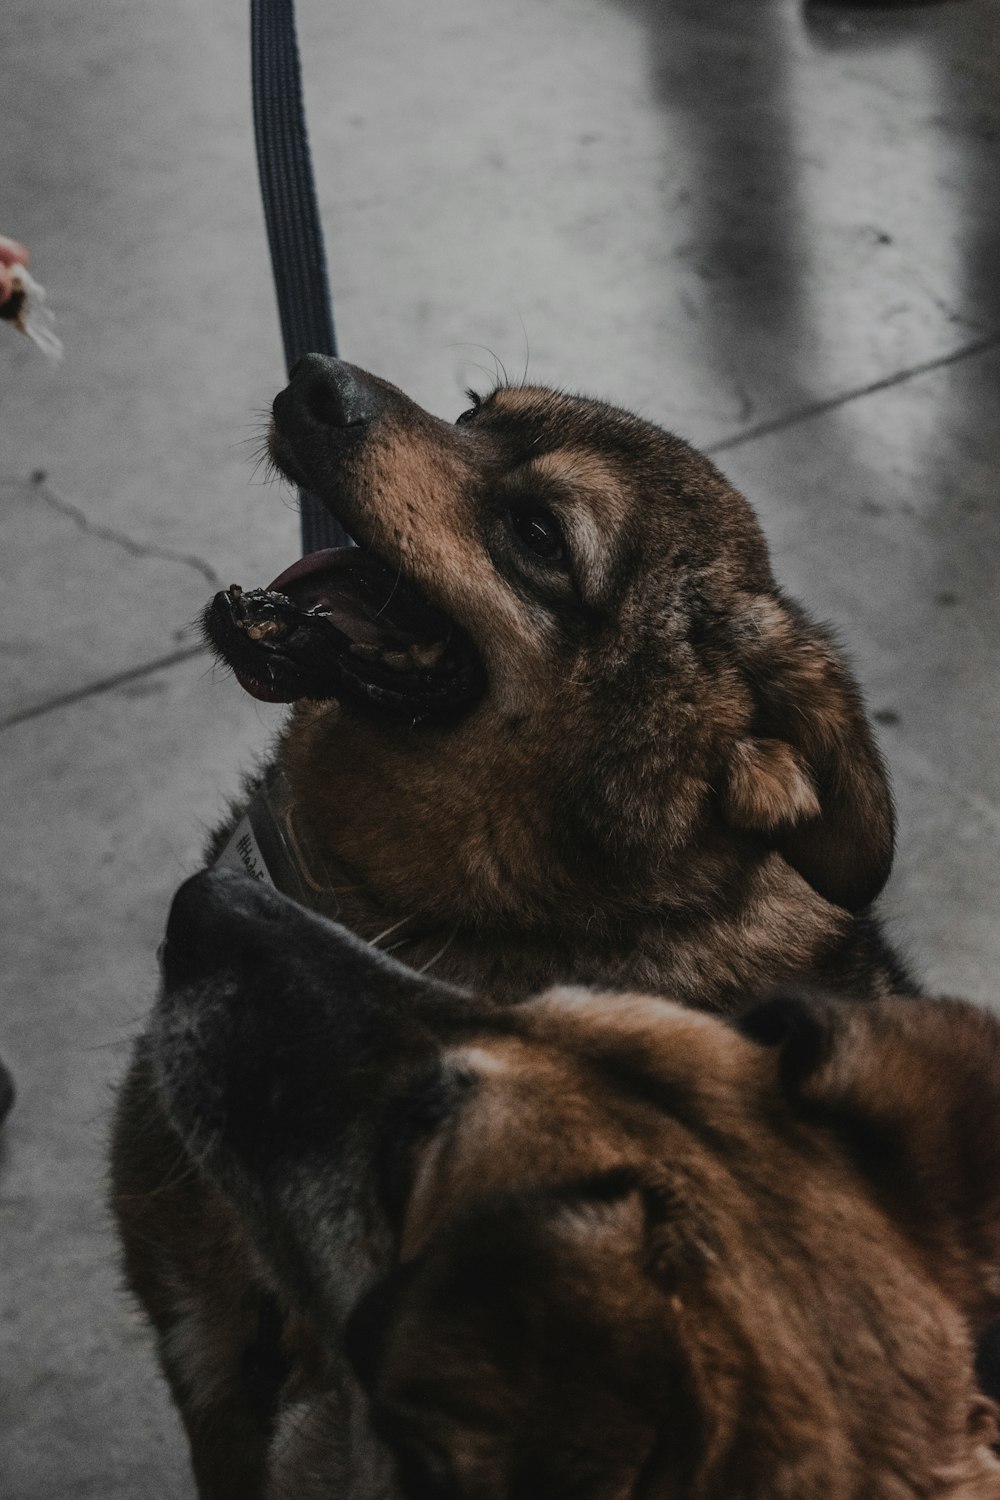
(600, 1246)
(558, 651)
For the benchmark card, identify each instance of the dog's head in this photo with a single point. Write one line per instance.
(558, 648)
(590, 1245)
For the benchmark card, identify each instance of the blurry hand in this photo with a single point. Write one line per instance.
(12, 253)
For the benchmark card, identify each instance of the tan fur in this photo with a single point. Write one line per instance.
(762, 1320)
(669, 782)
(768, 785)
(599, 1245)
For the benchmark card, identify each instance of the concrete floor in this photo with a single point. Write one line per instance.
(774, 228)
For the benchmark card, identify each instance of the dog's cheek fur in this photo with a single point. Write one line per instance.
(419, 497)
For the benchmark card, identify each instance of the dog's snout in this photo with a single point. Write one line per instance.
(210, 919)
(324, 394)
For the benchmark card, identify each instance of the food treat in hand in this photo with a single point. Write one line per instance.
(27, 310)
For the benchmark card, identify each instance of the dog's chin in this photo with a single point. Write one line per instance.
(345, 625)
(316, 467)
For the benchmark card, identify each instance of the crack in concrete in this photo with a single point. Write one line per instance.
(102, 685)
(903, 755)
(832, 403)
(39, 483)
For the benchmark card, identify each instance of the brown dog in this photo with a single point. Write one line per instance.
(554, 713)
(554, 722)
(589, 1245)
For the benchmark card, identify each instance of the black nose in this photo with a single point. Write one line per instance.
(212, 921)
(324, 394)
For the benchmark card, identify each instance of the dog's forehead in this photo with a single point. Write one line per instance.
(588, 1022)
(599, 450)
(538, 420)
(632, 1046)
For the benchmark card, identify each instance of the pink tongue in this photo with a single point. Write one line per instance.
(313, 562)
(309, 585)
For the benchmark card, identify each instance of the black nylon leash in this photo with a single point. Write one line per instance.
(294, 232)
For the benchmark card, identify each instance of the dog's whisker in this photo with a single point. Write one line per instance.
(187, 1169)
(392, 592)
(271, 471)
(390, 930)
(484, 371)
(498, 376)
(424, 968)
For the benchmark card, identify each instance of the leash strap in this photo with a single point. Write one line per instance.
(294, 232)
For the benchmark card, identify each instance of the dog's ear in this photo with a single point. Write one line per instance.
(906, 1059)
(809, 777)
(801, 1027)
(912, 1089)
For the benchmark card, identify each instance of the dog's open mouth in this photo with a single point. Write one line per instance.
(343, 624)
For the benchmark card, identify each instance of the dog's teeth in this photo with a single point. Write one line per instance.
(264, 629)
(426, 654)
(398, 661)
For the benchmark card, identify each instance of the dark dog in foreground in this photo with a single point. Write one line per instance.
(590, 1245)
(554, 722)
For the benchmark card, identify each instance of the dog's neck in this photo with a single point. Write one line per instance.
(511, 892)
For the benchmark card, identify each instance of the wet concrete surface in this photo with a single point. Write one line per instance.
(772, 228)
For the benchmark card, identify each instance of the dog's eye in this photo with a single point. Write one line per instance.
(470, 411)
(539, 533)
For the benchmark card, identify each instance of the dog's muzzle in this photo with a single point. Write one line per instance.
(324, 396)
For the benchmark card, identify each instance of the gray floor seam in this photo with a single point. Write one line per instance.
(39, 483)
(102, 685)
(831, 403)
